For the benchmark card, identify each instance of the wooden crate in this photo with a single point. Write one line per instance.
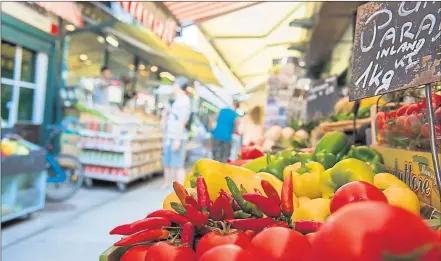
(325, 127)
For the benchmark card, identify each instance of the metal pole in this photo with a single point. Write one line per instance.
(436, 164)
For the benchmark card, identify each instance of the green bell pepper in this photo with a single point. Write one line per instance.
(328, 160)
(257, 164)
(335, 142)
(364, 153)
(378, 167)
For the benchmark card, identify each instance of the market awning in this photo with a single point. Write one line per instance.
(249, 39)
(179, 58)
(196, 12)
(69, 11)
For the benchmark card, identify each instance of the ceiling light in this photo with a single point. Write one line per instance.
(301, 63)
(83, 57)
(70, 27)
(154, 68)
(100, 39)
(112, 41)
(142, 67)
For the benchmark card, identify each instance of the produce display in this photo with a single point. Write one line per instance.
(406, 126)
(287, 137)
(295, 205)
(13, 147)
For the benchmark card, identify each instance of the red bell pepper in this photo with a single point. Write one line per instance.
(248, 153)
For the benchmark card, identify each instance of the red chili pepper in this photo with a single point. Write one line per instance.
(121, 230)
(392, 114)
(196, 217)
(227, 208)
(402, 110)
(413, 108)
(216, 209)
(149, 224)
(170, 215)
(307, 226)
(203, 196)
(436, 99)
(287, 197)
(180, 191)
(192, 201)
(187, 235)
(257, 191)
(270, 191)
(255, 224)
(143, 236)
(267, 206)
(233, 202)
(279, 224)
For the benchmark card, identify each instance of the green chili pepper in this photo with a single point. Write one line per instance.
(243, 190)
(178, 208)
(245, 205)
(193, 179)
(241, 214)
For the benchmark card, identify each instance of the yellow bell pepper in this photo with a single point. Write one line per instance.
(172, 197)
(303, 200)
(387, 180)
(315, 209)
(404, 198)
(306, 178)
(343, 172)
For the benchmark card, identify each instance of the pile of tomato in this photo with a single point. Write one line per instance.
(362, 227)
(408, 125)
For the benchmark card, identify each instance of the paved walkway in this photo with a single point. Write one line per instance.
(77, 230)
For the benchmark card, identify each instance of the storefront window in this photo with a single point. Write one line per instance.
(25, 104)
(6, 99)
(8, 59)
(86, 57)
(28, 66)
(121, 62)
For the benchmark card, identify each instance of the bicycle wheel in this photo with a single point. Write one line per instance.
(60, 191)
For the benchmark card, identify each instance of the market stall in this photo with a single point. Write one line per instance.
(336, 201)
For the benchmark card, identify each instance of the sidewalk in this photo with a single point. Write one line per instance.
(78, 229)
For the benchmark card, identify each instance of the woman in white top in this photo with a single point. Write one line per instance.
(251, 125)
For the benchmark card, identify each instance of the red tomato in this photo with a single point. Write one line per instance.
(392, 114)
(227, 253)
(163, 251)
(136, 253)
(310, 237)
(212, 239)
(436, 99)
(413, 108)
(402, 110)
(355, 192)
(367, 230)
(251, 233)
(401, 122)
(438, 115)
(413, 124)
(380, 119)
(425, 130)
(280, 244)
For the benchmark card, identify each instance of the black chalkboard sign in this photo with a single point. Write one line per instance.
(322, 96)
(397, 45)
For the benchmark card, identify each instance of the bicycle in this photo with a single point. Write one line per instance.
(65, 172)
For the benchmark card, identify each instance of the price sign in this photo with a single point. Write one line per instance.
(397, 45)
(322, 95)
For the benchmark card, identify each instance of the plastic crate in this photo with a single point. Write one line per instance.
(22, 194)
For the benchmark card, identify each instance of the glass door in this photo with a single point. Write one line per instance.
(23, 84)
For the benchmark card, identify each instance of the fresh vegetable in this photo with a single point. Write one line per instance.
(164, 251)
(402, 110)
(335, 143)
(256, 165)
(216, 210)
(345, 171)
(315, 210)
(287, 203)
(125, 229)
(136, 253)
(270, 191)
(149, 224)
(306, 179)
(178, 208)
(310, 237)
(355, 192)
(307, 226)
(227, 207)
(214, 239)
(380, 120)
(240, 214)
(250, 152)
(348, 235)
(387, 180)
(227, 253)
(364, 153)
(237, 195)
(268, 206)
(255, 224)
(172, 197)
(187, 236)
(378, 167)
(203, 197)
(328, 160)
(180, 191)
(143, 236)
(190, 200)
(170, 215)
(196, 217)
(404, 198)
(280, 244)
(239, 162)
(279, 224)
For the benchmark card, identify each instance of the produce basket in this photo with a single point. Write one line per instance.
(23, 182)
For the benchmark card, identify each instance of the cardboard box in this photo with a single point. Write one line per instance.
(416, 169)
